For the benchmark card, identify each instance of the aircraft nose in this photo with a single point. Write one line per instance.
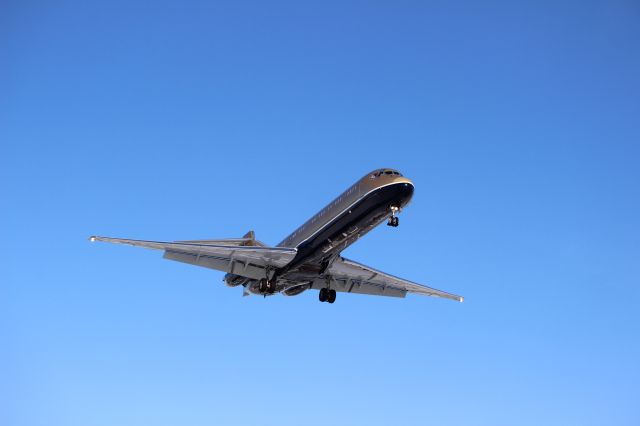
(404, 180)
(406, 189)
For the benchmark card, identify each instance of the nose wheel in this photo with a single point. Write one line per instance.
(393, 220)
(327, 295)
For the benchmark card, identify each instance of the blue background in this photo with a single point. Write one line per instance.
(517, 121)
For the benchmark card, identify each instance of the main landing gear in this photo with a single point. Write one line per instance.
(327, 295)
(393, 220)
(267, 286)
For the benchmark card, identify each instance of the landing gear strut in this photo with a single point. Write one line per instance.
(267, 286)
(393, 220)
(327, 295)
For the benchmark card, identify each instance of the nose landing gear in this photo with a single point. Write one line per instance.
(393, 220)
(327, 295)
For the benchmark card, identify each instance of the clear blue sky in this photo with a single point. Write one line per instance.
(519, 123)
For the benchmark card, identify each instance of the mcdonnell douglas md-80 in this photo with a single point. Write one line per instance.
(309, 258)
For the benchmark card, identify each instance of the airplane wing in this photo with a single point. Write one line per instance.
(223, 255)
(354, 277)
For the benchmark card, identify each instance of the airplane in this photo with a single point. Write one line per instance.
(310, 257)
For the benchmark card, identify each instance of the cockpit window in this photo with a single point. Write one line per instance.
(385, 172)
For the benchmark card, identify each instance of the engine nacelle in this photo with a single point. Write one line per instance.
(235, 280)
(294, 291)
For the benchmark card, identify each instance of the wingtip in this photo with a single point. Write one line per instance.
(92, 238)
(461, 299)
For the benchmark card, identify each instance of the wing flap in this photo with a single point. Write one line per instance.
(347, 285)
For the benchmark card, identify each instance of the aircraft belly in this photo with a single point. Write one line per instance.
(349, 226)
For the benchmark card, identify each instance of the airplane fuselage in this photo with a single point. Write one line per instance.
(373, 199)
(310, 258)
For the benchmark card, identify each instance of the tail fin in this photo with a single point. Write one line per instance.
(250, 240)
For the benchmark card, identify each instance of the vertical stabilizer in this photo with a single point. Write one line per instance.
(250, 240)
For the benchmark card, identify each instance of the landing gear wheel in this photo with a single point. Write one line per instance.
(393, 220)
(332, 296)
(323, 296)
